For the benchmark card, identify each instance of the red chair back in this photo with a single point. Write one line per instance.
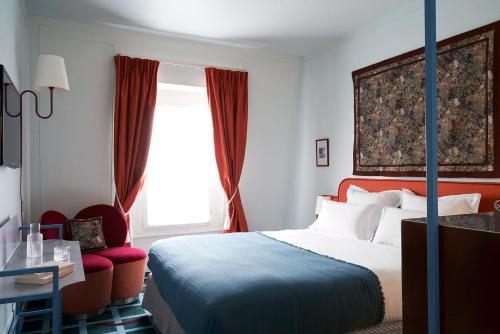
(113, 223)
(53, 217)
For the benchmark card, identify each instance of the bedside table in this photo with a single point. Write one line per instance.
(469, 265)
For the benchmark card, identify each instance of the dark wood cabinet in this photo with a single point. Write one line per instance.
(469, 274)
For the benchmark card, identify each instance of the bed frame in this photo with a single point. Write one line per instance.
(490, 191)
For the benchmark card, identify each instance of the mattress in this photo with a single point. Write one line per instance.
(383, 261)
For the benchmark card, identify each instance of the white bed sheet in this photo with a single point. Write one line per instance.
(384, 261)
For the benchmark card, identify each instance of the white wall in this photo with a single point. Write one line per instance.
(14, 56)
(326, 107)
(72, 152)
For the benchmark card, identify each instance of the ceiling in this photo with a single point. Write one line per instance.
(291, 26)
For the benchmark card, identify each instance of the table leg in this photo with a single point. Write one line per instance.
(18, 324)
(56, 312)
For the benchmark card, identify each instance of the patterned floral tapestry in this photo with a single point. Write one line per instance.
(389, 110)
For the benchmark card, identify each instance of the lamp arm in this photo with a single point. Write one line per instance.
(5, 102)
(51, 105)
(36, 102)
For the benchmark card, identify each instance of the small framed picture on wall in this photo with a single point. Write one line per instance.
(322, 153)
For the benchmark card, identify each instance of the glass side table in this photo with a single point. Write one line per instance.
(19, 264)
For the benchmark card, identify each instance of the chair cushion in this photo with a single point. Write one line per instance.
(93, 263)
(120, 255)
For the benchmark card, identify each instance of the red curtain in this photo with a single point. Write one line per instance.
(228, 98)
(135, 101)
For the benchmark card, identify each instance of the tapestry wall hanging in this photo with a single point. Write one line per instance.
(389, 110)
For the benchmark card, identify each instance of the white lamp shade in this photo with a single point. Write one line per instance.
(51, 72)
(319, 203)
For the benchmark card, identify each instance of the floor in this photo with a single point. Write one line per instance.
(116, 319)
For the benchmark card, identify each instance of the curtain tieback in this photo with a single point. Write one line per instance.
(228, 218)
(127, 218)
(119, 203)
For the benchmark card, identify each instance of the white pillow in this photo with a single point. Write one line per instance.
(357, 195)
(447, 205)
(348, 220)
(389, 228)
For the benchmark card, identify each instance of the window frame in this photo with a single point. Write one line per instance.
(141, 229)
(139, 212)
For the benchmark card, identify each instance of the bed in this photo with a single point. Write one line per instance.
(291, 281)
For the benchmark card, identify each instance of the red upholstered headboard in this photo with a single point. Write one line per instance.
(489, 191)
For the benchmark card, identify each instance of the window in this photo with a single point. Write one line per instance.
(182, 193)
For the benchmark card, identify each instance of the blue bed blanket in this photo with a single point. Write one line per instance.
(250, 283)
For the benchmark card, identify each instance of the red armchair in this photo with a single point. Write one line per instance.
(89, 298)
(112, 275)
(129, 263)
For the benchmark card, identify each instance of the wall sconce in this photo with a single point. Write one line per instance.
(51, 76)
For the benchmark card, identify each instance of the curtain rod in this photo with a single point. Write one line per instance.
(196, 66)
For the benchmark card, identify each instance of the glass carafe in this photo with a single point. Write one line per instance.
(34, 241)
